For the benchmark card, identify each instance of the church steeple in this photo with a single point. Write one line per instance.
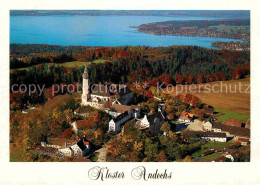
(85, 74)
(85, 85)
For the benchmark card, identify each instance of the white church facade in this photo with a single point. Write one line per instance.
(103, 96)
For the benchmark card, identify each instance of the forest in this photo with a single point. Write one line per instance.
(167, 65)
(41, 64)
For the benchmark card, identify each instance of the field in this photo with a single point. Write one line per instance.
(206, 147)
(209, 158)
(232, 98)
(226, 114)
(231, 29)
(69, 64)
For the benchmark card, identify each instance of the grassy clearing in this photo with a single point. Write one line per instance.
(209, 158)
(223, 115)
(98, 61)
(216, 145)
(198, 153)
(207, 146)
(74, 64)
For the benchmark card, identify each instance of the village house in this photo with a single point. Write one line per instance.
(208, 111)
(212, 136)
(208, 118)
(44, 144)
(67, 152)
(79, 149)
(153, 122)
(243, 141)
(232, 131)
(196, 125)
(216, 127)
(207, 125)
(234, 123)
(224, 158)
(116, 124)
(186, 117)
(120, 114)
(116, 109)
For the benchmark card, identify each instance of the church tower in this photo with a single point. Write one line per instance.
(85, 86)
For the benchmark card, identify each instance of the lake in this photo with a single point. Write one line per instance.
(98, 31)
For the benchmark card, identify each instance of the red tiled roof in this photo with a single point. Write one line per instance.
(238, 131)
(189, 115)
(233, 122)
(184, 118)
(209, 111)
(243, 139)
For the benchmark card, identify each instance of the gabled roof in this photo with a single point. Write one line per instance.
(238, 131)
(208, 111)
(233, 122)
(117, 90)
(184, 118)
(206, 122)
(121, 108)
(217, 125)
(187, 114)
(243, 139)
(156, 117)
(211, 134)
(100, 90)
(121, 116)
(82, 144)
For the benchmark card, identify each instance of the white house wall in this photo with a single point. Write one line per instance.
(145, 122)
(219, 139)
(77, 151)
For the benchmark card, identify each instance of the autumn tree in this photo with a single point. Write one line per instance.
(188, 159)
(166, 127)
(67, 133)
(161, 157)
(151, 149)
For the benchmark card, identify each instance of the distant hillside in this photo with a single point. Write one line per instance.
(208, 13)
